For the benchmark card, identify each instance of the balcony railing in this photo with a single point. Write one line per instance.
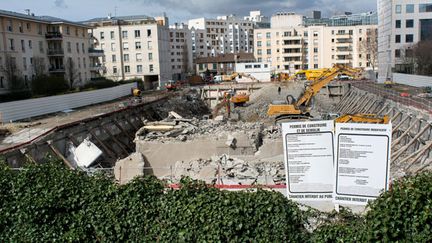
(53, 35)
(55, 52)
(57, 69)
(93, 50)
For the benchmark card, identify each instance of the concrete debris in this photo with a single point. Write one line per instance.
(230, 171)
(128, 168)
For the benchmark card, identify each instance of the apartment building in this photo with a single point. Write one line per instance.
(181, 51)
(225, 34)
(293, 43)
(36, 45)
(402, 23)
(134, 47)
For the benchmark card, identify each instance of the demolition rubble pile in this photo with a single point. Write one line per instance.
(177, 128)
(230, 171)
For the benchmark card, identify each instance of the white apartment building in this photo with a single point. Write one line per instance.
(402, 23)
(134, 47)
(44, 45)
(225, 34)
(289, 45)
(181, 51)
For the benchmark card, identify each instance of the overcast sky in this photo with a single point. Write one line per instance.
(181, 10)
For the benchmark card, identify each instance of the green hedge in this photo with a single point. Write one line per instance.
(50, 203)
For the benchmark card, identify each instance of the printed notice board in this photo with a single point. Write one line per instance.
(362, 165)
(309, 159)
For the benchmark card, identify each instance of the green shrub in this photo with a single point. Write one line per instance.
(101, 83)
(49, 85)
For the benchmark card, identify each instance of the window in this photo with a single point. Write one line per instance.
(30, 44)
(410, 8)
(425, 8)
(268, 35)
(77, 47)
(149, 33)
(398, 39)
(20, 27)
(268, 51)
(113, 47)
(102, 36)
(149, 45)
(79, 62)
(84, 62)
(257, 66)
(397, 53)
(268, 43)
(137, 34)
(137, 45)
(126, 57)
(125, 46)
(40, 29)
(76, 31)
(398, 9)
(82, 47)
(409, 23)
(259, 59)
(259, 43)
(112, 35)
(114, 69)
(68, 30)
(248, 66)
(259, 52)
(41, 49)
(69, 48)
(127, 69)
(139, 69)
(22, 46)
(259, 35)
(28, 26)
(113, 58)
(409, 38)
(315, 66)
(151, 69)
(11, 44)
(25, 63)
(150, 56)
(315, 34)
(102, 46)
(138, 57)
(1, 82)
(124, 34)
(315, 50)
(398, 24)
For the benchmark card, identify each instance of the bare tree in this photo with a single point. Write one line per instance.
(39, 67)
(11, 71)
(71, 72)
(421, 53)
(369, 47)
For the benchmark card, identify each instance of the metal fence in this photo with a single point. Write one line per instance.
(17, 110)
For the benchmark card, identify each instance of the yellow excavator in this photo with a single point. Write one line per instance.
(300, 108)
(233, 76)
(363, 118)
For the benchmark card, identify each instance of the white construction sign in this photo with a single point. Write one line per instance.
(362, 165)
(309, 158)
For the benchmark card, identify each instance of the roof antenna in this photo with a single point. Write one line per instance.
(27, 11)
(115, 11)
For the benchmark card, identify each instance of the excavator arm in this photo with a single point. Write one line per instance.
(324, 79)
(363, 118)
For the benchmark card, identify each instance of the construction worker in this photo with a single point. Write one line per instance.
(279, 90)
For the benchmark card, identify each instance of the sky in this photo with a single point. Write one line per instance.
(181, 10)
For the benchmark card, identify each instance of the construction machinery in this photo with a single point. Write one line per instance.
(388, 83)
(233, 76)
(171, 85)
(300, 108)
(239, 99)
(363, 118)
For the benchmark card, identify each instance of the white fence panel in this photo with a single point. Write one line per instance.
(412, 80)
(16, 110)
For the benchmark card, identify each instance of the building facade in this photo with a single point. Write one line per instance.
(134, 47)
(41, 45)
(402, 23)
(181, 51)
(291, 44)
(226, 34)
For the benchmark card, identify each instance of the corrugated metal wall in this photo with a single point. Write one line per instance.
(16, 110)
(412, 80)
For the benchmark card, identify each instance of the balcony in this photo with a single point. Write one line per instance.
(55, 52)
(54, 36)
(95, 52)
(96, 68)
(57, 69)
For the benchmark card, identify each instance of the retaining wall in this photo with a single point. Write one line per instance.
(412, 80)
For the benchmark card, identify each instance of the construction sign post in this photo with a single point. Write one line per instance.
(362, 165)
(308, 152)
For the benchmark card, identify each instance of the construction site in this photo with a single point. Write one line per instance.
(227, 134)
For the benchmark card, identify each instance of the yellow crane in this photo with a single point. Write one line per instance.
(300, 108)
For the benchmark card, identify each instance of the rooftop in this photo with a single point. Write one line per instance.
(42, 19)
(122, 18)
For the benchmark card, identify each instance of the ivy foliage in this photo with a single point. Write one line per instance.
(47, 202)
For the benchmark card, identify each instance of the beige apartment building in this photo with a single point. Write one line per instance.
(38, 45)
(134, 47)
(181, 51)
(291, 44)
